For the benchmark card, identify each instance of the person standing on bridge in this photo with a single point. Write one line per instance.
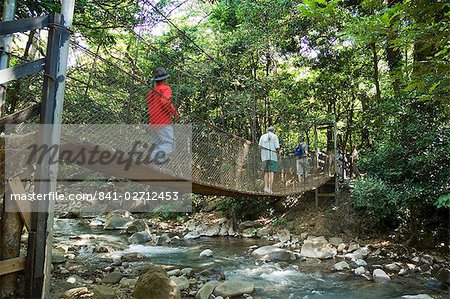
(301, 152)
(161, 111)
(270, 151)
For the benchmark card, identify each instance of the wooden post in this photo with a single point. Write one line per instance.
(316, 197)
(9, 10)
(11, 226)
(316, 148)
(336, 177)
(40, 236)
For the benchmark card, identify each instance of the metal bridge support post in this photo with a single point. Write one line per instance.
(41, 231)
(9, 10)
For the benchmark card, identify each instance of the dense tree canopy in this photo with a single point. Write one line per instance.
(381, 69)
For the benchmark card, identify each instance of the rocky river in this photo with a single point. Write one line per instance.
(122, 256)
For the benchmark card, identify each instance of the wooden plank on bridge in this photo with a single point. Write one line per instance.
(21, 116)
(24, 206)
(12, 265)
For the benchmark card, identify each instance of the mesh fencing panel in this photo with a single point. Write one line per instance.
(99, 91)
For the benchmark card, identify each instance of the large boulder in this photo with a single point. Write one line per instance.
(249, 224)
(181, 281)
(380, 276)
(341, 266)
(206, 253)
(273, 254)
(139, 237)
(132, 257)
(137, 225)
(360, 270)
(317, 248)
(443, 275)
(112, 278)
(359, 253)
(206, 290)
(119, 219)
(156, 285)
(352, 247)
(211, 230)
(392, 267)
(104, 292)
(230, 288)
(162, 240)
(195, 234)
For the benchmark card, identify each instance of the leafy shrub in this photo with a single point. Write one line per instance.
(379, 201)
(245, 208)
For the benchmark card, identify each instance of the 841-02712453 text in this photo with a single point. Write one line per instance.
(100, 195)
(138, 195)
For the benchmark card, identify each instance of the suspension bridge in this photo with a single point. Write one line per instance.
(221, 163)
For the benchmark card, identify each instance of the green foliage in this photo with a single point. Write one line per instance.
(278, 222)
(379, 201)
(443, 201)
(245, 209)
(380, 68)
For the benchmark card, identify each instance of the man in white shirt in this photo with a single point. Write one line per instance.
(270, 150)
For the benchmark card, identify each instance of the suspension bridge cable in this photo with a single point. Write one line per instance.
(183, 33)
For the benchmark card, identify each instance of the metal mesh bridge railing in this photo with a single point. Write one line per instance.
(102, 93)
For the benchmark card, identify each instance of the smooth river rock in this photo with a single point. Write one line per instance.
(273, 254)
(317, 248)
(206, 253)
(192, 235)
(104, 292)
(156, 285)
(181, 281)
(360, 270)
(419, 296)
(139, 237)
(119, 219)
(206, 290)
(341, 266)
(112, 278)
(137, 225)
(230, 288)
(380, 276)
(358, 253)
(132, 257)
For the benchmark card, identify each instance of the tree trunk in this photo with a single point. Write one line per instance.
(330, 143)
(376, 77)
(393, 54)
(365, 137)
(11, 226)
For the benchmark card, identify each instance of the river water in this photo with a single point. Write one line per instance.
(292, 280)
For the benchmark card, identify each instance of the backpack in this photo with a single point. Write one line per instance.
(299, 151)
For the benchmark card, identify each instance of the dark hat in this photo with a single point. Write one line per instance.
(160, 74)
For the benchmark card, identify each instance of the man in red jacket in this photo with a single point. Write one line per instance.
(161, 110)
